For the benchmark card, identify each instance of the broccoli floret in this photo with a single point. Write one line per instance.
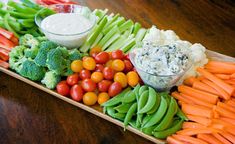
(31, 53)
(41, 39)
(64, 51)
(31, 70)
(74, 55)
(67, 70)
(17, 57)
(29, 41)
(51, 79)
(44, 48)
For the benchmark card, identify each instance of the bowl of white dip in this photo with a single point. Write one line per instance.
(69, 26)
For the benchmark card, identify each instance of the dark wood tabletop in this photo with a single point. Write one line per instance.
(29, 115)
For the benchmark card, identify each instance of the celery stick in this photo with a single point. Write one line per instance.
(100, 13)
(98, 30)
(118, 22)
(140, 34)
(99, 37)
(128, 45)
(136, 28)
(126, 25)
(118, 43)
(113, 19)
(108, 36)
(111, 40)
(85, 47)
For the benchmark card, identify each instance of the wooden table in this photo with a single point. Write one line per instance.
(28, 115)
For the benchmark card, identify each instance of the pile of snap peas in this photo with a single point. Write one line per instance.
(143, 108)
(19, 17)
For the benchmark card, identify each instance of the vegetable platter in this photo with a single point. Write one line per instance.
(116, 69)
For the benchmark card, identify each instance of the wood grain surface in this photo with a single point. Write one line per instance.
(28, 115)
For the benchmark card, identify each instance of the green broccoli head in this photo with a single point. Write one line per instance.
(64, 51)
(44, 48)
(17, 57)
(29, 41)
(41, 39)
(31, 53)
(51, 79)
(31, 70)
(75, 54)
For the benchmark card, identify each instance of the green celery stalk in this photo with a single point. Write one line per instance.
(113, 19)
(131, 42)
(140, 35)
(16, 14)
(101, 14)
(118, 43)
(21, 8)
(137, 26)
(30, 4)
(118, 22)
(108, 36)
(7, 26)
(85, 47)
(127, 25)
(99, 37)
(111, 40)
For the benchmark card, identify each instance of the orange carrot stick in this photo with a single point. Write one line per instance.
(209, 138)
(230, 103)
(192, 125)
(223, 94)
(197, 110)
(225, 112)
(230, 130)
(190, 80)
(220, 67)
(228, 136)
(192, 132)
(225, 106)
(232, 76)
(201, 78)
(228, 88)
(231, 81)
(172, 140)
(223, 76)
(221, 138)
(179, 97)
(189, 139)
(204, 87)
(229, 120)
(204, 96)
(199, 119)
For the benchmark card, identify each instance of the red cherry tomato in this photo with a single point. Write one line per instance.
(73, 79)
(108, 73)
(102, 57)
(114, 89)
(85, 74)
(117, 54)
(63, 88)
(99, 68)
(76, 92)
(128, 66)
(104, 85)
(127, 57)
(88, 85)
(94, 55)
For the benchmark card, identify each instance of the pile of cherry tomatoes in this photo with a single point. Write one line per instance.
(98, 77)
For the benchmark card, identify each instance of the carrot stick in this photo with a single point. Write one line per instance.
(204, 96)
(179, 97)
(221, 67)
(228, 88)
(201, 78)
(232, 76)
(199, 119)
(4, 64)
(223, 76)
(190, 80)
(230, 103)
(209, 138)
(204, 87)
(228, 136)
(4, 54)
(6, 42)
(229, 120)
(225, 106)
(197, 110)
(231, 81)
(192, 132)
(172, 140)
(225, 112)
(223, 94)
(221, 138)
(230, 130)
(189, 139)
(6, 33)
(15, 40)
(192, 125)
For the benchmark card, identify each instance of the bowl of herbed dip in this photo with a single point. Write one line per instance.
(69, 26)
(161, 66)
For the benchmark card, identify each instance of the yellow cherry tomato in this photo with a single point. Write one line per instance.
(109, 63)
(76, 66)
(103, 97)
(121, 78)
(97, 77)
(89, 98)
(95, 49)
(89, 63)
(118, 65)
(132, 78)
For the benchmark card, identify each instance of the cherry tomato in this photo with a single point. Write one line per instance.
(108, 73)
(97, 77)
(99, 67)
(121, 78)
(127, 57)
(73, 79)
(117, 54)
(88, 85)
(114, 89)
(89, 63)
(89, 98)
(128, 66)
(132, 78)
(94, 55)
(104, 85)
(102, 57)
(118, 65)
(103, 97)
(76, 92)
(85, 74)
(63, 88)
(109, 63)
(76, 66)
(95, 50)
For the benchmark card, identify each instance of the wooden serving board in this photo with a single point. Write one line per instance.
(97, 110)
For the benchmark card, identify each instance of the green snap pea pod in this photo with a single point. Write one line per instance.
(27, 22)
(142, 101)
(7, 26)
(146, 119)
(148, 130)
(30, 4)
(152, 98)
(104, 110)
(165, 122)
(1, 5)
(117, 99)
(157, 116)
(136, 90)
(129, 98)
(169, 131)
(154, 109)
(123, 108)
(138, 124)
(181, 115)
(119, 116)
(130, 114)
(21, 8)
(16, 14)
(142, 89)
(110, 111)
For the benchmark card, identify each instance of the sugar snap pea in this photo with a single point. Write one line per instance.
(119, 116)
(157, 116)
(110, 111)
(21, 8)
(154, 109)
(148, 130)
(136, 90)
(146, 119)
(142, 101)
(7, 26)
(129, 98)
(142, 89)
(133, 123)
(152, 98)
(123, 108)
(165, 122)
(169, 131)
(130, 114)
(181, 115)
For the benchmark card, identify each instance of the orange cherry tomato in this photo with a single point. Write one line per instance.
(95, 50)
(103, 97)
(97, 77)
(118, 65)
(89, 98)
(76, 66)
(89, 63)
(132, 78)
(121, 78)
(109, 63)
